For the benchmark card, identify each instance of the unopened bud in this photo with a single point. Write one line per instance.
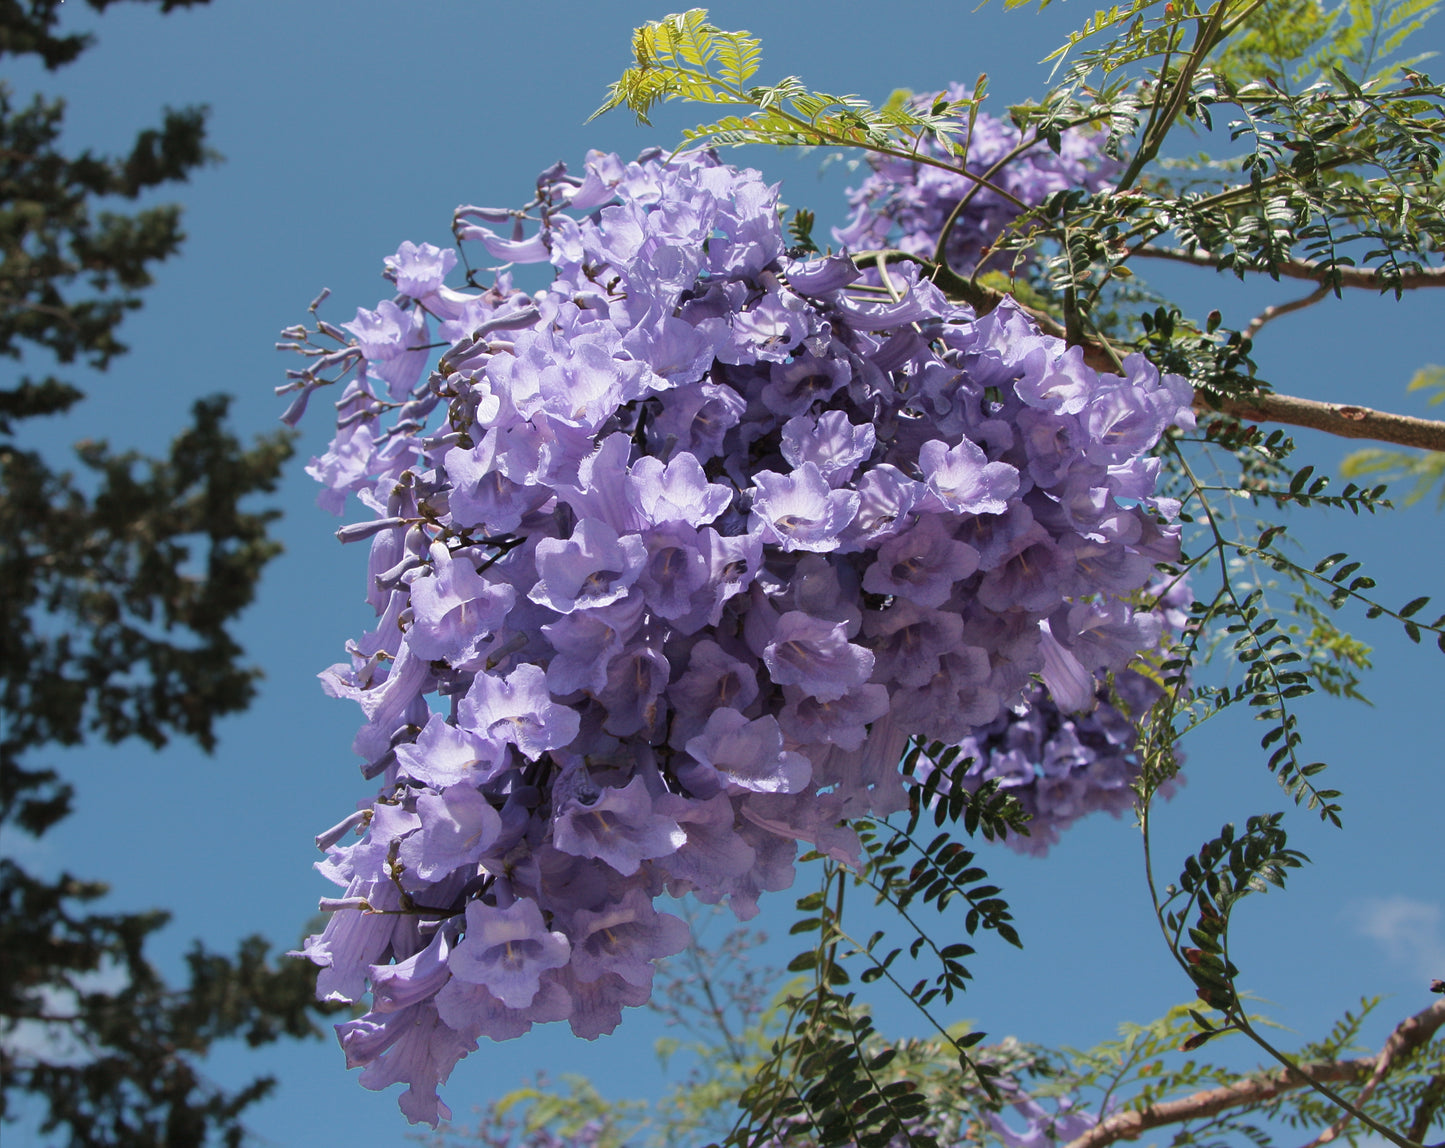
(325, 841)
(486, 214)
(375, 768)
(509, 322)
(369, 412)
(292, 414)
(357, 531)
(336, 358)
(437, 441)
(335, 904)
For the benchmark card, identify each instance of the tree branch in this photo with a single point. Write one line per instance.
(1409, 1035)
(1342, 419)
(1273, 312)
(1430, 1101)
(1322, 273)
(1396, 1047)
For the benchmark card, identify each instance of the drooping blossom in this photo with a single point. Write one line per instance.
(669, 561)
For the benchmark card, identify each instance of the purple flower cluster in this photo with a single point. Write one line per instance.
(1042, 1128)
(1060, 766)
(905, 205)
(670, 560)
(1063, 765)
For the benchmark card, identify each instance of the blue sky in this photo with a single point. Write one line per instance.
(349, 127)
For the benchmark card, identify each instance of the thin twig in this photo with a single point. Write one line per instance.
(939, 253)
(1269, 314)
(65, 314)
(806, 125)
(1206, 36)
(1408, 1036)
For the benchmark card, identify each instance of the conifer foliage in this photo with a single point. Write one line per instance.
(118, 589)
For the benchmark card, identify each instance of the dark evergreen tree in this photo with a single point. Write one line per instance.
(118, 593)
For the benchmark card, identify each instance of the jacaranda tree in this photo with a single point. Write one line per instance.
(733, 543)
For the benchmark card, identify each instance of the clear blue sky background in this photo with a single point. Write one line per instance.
(350, 126)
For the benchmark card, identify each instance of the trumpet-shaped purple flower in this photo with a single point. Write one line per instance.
(621, 827)
(445, 754)
(473, 1010)
(592, 568)
(677, 352)
(625, 938)
(816, 656)
(908, 639)
(394, 344)
(1043, 1128)
(411, 1047)
(419, 270)
(800, 511)
(507, 951)
(922, 563)
(632, 694)
(461, 827)
(1070, 685)
(962, 479)
(1124, 418)
(353, 941)
(749, 754)
(575, 382)
(596, 1005)
(712, 857)
(795, 385)
(421, 976)
(586, 641)
(518, 710)
(676, 492)
(772, 328)
(842, 722)
(344, 467)
(714, 680)
(831, 442)
(697, 418)
(455, 609)
(676, 570)
(483, 493)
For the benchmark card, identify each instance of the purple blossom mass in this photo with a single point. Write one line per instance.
(905, 205)
(670, 560)
(1069, 746)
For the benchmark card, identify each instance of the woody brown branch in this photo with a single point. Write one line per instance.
(1383, 1063)
(1413, 1033)
(1322, 273)
(1343, 419)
